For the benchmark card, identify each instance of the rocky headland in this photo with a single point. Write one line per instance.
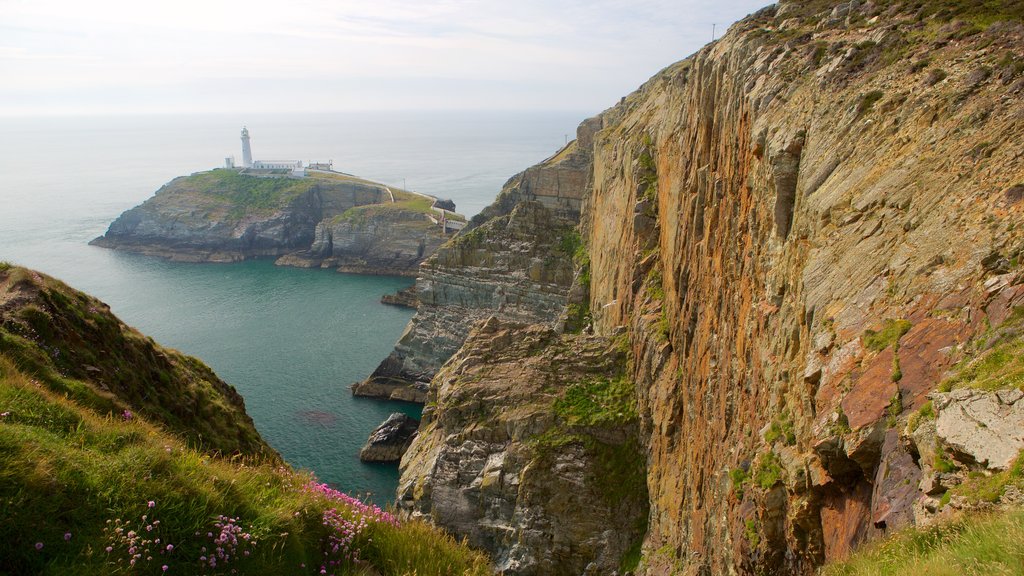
(804, 241)
(121, 456)
(514, 262)
(325, 219)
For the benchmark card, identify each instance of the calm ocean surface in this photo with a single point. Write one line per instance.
(290, 340)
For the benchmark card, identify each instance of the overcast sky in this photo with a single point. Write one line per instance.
(158, 56)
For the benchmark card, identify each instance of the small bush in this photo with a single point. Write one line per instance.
(867, 101)
(768, 471)
(935, 75)
(925, 412)
(739, 477)
(942, 462)
(781, 428)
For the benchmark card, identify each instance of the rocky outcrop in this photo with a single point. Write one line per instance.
(529, 449)
(514, 262)
(798, 233)
(389, 441)
(983, 428)
(824, 220)
(322, 220)
(404, 298)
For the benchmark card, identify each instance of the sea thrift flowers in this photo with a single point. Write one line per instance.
(346, 523)
(136, 544)
(230, 542)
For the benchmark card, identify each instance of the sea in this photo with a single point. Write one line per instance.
(290, 340)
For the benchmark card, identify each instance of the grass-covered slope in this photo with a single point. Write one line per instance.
(71, 344)
(238, 193)
(976, 545)
(91, 483)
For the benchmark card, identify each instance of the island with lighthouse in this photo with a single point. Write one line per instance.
(300, 213)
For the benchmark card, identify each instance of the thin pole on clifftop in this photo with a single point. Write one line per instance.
(713, 32)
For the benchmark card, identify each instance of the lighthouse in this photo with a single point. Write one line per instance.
(246, 149)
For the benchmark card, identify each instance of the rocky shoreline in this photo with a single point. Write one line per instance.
(324, 220)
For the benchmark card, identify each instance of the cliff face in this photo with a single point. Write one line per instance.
(529, 448)
(800, 231)
(514, 262)
(322, 220)
(73, 345)
(796, 227)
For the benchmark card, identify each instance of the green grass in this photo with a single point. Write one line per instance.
(975, 546)
(600, 402)
(70, 343)
(996, 359)
(890, 334)
(980, 488)
(246, 194)
(65, 469)
(1001, 367)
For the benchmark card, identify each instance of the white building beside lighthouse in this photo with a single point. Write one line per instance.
(266, 167)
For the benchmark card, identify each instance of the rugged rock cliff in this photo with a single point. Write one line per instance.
(325, 219)
(514, 262)
(827, 212)
(800, 231)
(530, 448)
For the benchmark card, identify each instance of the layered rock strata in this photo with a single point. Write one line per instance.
(800, 227)
(799, 232)
(514, 262)
(529, 448)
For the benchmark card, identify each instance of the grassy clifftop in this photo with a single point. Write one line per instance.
(104, 469)
(71, 344)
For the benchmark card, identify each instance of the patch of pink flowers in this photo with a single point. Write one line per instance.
(133, 545)
(345, 523)
(229, 543)
(370, 512)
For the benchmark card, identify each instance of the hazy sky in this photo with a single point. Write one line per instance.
(155, 56)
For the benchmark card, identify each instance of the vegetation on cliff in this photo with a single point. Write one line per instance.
(71, 344)
(976, 545)
(102, 475)
(240, 194)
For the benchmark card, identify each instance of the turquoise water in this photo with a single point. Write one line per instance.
(290, 340)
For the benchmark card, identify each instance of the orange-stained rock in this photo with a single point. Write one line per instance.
(871, 393)
(844, 520)
(926, 352)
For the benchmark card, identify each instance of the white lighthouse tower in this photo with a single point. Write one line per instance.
(246, 149)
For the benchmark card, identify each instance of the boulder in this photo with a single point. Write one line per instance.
(389, 441)
(981, 427)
